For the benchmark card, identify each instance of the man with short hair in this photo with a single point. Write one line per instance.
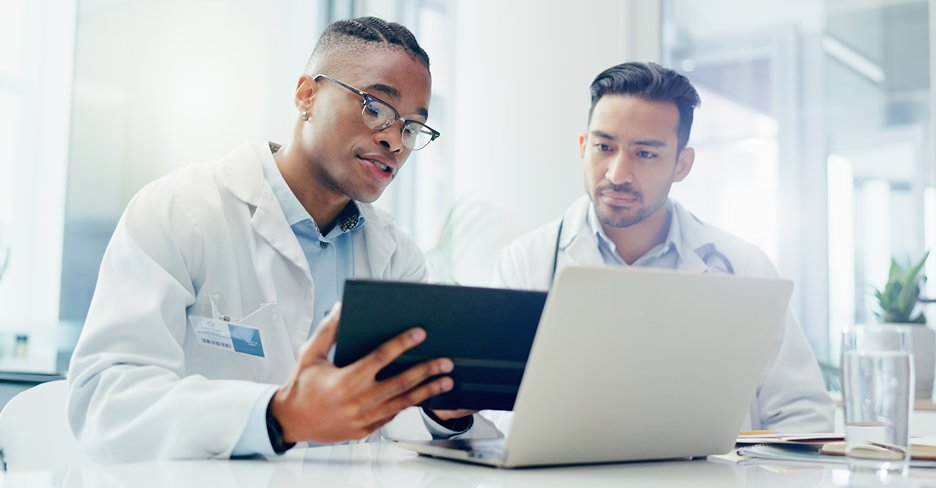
(634, 149)
(201, 339)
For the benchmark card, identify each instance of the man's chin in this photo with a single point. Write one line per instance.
(367, 197)
(619, 219)
(364, 192)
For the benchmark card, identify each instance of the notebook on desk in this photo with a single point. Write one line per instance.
(635, 364)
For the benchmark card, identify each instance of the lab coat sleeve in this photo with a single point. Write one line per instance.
(411, 260)
(526, 263)
(128, 396)
(791, 396)
(481, 428)
(505, 270)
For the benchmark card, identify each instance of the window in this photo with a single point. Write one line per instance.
(36, 42)
(419, 197)
(173, 91)
(815, 134)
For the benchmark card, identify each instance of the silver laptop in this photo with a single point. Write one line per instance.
(635, 364)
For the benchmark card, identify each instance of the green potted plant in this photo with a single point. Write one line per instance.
(899, 303)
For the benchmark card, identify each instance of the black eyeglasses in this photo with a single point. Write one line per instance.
(378, 115)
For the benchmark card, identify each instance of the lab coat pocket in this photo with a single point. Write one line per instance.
(222, 346)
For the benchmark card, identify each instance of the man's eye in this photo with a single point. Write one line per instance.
(603, 147)
(415, 129)
(372, 108)
(646, 154)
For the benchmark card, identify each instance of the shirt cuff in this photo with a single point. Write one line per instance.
(438, 431)
(255, 439)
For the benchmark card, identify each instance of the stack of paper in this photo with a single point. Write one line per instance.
(802, 441)
(812, 448)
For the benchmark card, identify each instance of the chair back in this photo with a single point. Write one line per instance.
(34, 431)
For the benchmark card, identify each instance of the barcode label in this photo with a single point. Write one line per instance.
(216, 343)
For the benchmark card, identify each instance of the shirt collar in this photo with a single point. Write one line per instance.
(673, 240)
(349, 219)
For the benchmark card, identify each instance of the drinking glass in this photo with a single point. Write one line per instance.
(877, 395)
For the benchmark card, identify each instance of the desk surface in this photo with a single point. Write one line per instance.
(385, 465)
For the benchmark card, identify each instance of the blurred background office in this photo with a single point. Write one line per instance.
(814, 139)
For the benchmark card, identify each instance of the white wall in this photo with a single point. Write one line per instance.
(522, 71)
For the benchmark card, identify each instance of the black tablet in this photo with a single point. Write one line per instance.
(487, 332)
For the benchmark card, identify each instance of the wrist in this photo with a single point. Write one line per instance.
(275, 431)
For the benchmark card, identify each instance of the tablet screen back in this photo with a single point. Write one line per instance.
(487, 332)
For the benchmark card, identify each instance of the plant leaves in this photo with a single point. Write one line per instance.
(901, 293)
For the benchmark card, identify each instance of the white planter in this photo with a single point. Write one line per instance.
(924, 359)
(923, 348)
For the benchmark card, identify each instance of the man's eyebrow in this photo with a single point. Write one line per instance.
(603, 135)
(649, 142)
(385, 89)
(393, 93)
(637, 142)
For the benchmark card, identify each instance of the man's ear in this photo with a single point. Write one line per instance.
(305, 90)
(583, 139)
(684, 163)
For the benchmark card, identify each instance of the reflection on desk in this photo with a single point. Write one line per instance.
(385, 465)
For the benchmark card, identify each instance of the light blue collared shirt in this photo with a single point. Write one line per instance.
(331, 262)
(331, 256)
(665, 255)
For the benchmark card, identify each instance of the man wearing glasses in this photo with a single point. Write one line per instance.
(201, 340)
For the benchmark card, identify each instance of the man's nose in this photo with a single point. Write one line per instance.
(391, 137)
(620, 170)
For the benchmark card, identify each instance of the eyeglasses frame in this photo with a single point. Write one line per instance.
(368, 98)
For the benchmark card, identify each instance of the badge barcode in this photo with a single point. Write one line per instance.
(216, 343)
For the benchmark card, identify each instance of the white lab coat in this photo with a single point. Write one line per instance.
(208, 239)
(790, 395)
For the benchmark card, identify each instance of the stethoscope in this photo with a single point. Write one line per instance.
(708, 253)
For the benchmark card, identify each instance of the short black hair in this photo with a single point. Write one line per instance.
(357, 33)
(651, 82)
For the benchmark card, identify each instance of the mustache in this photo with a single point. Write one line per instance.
(625, 188)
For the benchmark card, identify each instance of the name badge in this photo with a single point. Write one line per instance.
(226, 335)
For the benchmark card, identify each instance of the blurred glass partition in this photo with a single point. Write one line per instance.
(814, 140)
(36, 45)
(163, 83)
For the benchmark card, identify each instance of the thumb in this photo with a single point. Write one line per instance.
(316, 348)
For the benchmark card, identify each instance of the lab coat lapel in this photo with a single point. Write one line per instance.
(268, 220)
(578, 244)
(243, 177)
(694, 239)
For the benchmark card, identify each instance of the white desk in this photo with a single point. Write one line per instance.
(385, 465)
